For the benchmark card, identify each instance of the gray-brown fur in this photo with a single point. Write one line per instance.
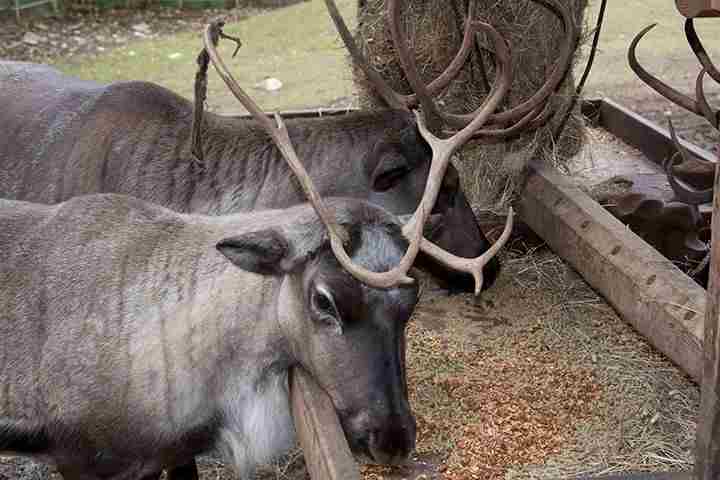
(130, 339)
(65, 137)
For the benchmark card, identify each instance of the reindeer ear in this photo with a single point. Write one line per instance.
(260, 252)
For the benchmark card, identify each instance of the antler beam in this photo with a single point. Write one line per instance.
(443, 150)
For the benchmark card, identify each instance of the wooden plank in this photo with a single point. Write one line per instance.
(707, 455)
(698, 8)
(326, 450)
(653, 141)
(646, 289)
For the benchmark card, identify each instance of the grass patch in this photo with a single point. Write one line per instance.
(297, 45)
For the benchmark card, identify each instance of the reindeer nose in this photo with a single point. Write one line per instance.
(394, 442)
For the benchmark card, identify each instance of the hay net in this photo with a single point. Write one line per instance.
(492, 173)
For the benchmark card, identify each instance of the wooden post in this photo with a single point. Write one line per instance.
(322, 439)
(698, 8)
(707, 462)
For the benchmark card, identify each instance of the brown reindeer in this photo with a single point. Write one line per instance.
(123, 319)
(64, 137)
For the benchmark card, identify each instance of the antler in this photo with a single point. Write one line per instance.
(473, 266)
(697, 47)
(504, 124)
(683, 193)
(278, 132)
(698, 105)
(392, 98)
(442, 151)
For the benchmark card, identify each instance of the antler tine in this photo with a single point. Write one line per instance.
(683, 193)
(278, 132)
(655, 83)
(697, 47)
(392, 98)
(703, 105)
(443, 149)
(473, 266)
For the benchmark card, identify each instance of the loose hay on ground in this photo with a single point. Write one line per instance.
(541, 379)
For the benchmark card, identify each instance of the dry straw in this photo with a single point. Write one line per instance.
(491, 174)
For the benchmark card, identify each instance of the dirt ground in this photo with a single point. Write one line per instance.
(538, 378)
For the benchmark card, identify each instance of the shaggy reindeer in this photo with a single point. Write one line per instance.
(125, 320)
(65, 137)
(133, 337)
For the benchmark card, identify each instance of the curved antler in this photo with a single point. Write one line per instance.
(392, 98)
(521, 114)
(473, 266)
(700, 52)
(443, 149)
(655, 83)
(413, 230)
(683, 193)
(705, 109)
(557, 75)
(278, 132)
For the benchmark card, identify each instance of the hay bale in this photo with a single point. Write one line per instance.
(491, 174)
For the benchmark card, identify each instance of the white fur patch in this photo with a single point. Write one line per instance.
(258, 426)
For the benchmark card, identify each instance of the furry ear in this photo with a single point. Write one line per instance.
(260, 252)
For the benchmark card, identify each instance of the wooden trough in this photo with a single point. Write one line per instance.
(645, 288)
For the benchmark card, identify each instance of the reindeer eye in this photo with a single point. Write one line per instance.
(323, 304)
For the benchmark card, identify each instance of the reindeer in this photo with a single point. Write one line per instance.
(123, 319)
(65, 137)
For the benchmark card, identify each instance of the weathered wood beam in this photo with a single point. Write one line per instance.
(326, 450)
(652, 140)
(646, 289)
(707, 464)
